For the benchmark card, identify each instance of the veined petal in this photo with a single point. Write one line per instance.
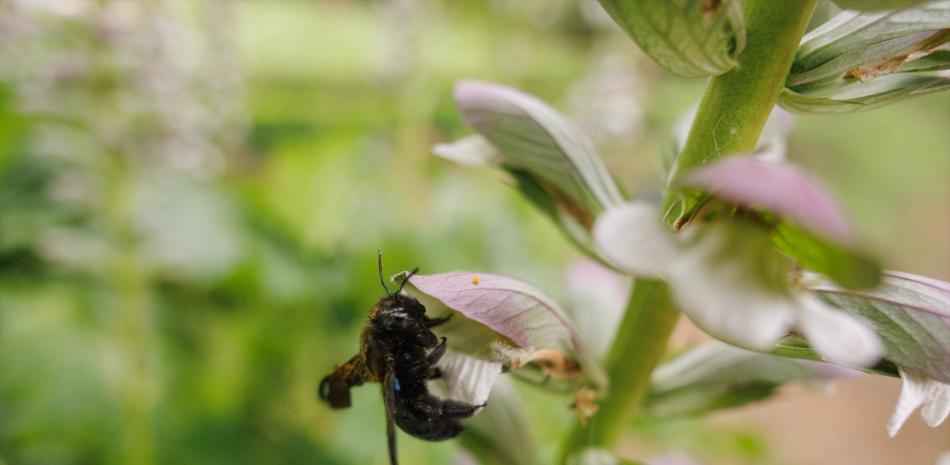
(633, 237)
(836, 335)
(500, 308)
(918, 390)
(466, 378)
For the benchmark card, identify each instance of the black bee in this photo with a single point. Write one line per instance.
(399, 350)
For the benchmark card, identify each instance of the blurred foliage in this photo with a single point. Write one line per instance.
(192, 195)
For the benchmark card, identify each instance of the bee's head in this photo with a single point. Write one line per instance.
(394, 298)
(402, 303)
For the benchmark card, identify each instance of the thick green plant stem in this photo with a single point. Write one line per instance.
(730, 119)
(737, 104)
(638, 346)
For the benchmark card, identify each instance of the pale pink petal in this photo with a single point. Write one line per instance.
(511, 308)
(776, 187)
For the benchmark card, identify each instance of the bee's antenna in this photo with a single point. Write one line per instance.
(406, 279)
(382, 281)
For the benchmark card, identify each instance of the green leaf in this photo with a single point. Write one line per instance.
(857, 61)
(532, 136)
(857, 96)
(873, 5)
(911, 313)
(716, 376)
(553, 164)
(850, 268)
(689, 38)
(501, 434)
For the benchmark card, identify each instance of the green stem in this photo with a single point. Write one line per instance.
(730, 119)
(638, 346)
(737, 104)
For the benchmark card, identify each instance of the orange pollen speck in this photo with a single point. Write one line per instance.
(475, 280)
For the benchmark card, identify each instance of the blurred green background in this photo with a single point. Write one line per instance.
(192, 194)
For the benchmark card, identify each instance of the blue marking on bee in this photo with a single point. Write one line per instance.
(396, 383)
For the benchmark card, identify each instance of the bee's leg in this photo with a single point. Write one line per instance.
(433, 322)
(427, 338)
(456, 409)
(436, 353)
(435, 373)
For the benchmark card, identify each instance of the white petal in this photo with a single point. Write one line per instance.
(734, 311)
(837, 336)
(722, 293)
(468, 379)
(634, 238)
(918, 390)
(935, 412)
(469, 151)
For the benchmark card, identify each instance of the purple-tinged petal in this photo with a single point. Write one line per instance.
(910, 313)
(777, 187)
(534, 137)
(511, 308)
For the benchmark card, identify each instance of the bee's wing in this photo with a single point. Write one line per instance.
(389, 400)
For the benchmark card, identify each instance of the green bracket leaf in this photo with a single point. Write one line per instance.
(850, 268)
(911, 314)
(862, 60)
(690, 38)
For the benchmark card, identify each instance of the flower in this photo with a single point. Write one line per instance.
(917, 391)
(729, 281)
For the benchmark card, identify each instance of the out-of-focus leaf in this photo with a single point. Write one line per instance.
(911, 314)
(848, 267)
(690, 38)
(716, 375)
(875, 5)
(533, 137)
(501, 433)
(508, 311)
(858, 60)
(534, 190)
(776, 187)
